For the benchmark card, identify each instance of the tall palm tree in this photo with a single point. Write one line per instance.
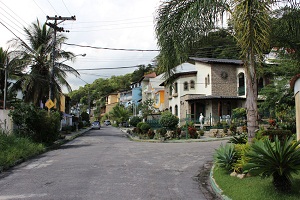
(181, 23)
(10, 68)
(36, 52)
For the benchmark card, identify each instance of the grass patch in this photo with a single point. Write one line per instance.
(253, 188)
(13, 148)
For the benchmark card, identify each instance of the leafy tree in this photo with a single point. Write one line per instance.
(181, 23)
(147, 108)
(10, 62)
(140, 72)
(168, 120)
(119, 113)
(36, 54)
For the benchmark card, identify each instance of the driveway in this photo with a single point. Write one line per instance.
(104, 164)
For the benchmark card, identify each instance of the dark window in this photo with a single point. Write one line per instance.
(176, 110)
(176, 87)
(192, 84)
(185, 86)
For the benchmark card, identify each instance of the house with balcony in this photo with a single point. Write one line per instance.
(125, 97)
(111, 101)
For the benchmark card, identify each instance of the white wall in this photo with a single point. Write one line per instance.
(6, 122)
(203, 71)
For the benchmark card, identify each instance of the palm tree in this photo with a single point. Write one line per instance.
(10, 67)
(36, 53)
(181, 23)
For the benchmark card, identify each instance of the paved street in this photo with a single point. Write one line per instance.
(104, 164)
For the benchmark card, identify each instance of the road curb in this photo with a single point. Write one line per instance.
(215, 186)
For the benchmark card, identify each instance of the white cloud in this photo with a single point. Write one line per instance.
(103, 23)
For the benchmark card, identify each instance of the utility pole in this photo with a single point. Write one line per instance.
(59, 29)
(5, 84)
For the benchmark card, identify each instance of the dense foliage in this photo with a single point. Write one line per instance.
(35, 123)
(168, 120)
(135, 120)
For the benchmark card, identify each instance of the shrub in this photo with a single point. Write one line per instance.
(151, 134)
(279, 160)
(201, 132)
(232, 128)
(162, 132)
(177, 132)
(145, 127)
(225, 156)
(192, 132)
(242, 159)
(281, 134)
(36, 123)
(239, 139)
(168, 120)
(135, 120)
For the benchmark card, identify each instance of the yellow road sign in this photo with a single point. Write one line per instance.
(49, 104)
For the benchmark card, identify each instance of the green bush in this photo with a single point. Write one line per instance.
(145, 127)
(239, 139)
(151, 134)
(162, 132)
(168, 120)
(242, 159)
(233, 128)
(281, 134)
(35, 123)
(279, 159)
(225, 156)
(135, 120)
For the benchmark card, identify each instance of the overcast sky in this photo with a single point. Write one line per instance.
(99, 23)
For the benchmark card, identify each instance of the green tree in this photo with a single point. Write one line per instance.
(140, 72)
(181, 23)
(36, 54)
(13, 66)
(119, 113)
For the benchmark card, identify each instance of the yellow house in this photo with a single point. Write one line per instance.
(111, 101)
(295, 85)
(159, 99)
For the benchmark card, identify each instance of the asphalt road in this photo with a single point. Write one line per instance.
(104, 164)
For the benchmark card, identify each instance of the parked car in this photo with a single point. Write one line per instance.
(96, 125)
(107, 122)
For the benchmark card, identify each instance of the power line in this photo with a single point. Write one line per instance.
(39, 7)
(66, 7)
(107, 48)
(106, 68)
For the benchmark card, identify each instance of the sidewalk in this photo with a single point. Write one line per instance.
(69, 137)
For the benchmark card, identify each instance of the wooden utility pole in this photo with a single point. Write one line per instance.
(59, 29)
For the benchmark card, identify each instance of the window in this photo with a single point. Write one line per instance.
(185, 86)
(170, 90)
(192, 84)
(176, 110)
(241, 88)
(206, 82)
(171, 109)
(208, 79)
(176, 87)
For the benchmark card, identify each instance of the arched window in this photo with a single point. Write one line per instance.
(241, 88)
(176, 88)
(171, 109)
(192, 84)
(170, 90)
(186, 86)
(176, 110)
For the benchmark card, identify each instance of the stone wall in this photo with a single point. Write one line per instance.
(224, 80)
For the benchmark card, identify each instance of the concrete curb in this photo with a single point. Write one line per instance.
(204, 139)
(215, 186)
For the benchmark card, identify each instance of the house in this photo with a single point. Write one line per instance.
(111, 101)
(295, 85)
(211, 86)
(125, 97)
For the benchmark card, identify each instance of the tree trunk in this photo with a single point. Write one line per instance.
(251, 97)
